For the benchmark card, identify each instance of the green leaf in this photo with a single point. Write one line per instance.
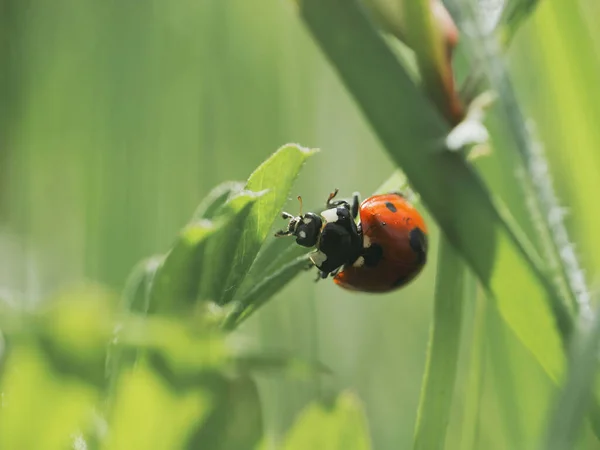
(41, 408)
(514, 14)
(236, 421)
(55, 369)
(442, 359)
(215, 199)
(273, 255)
(222, 248)
(275, 176)
(472, 220)
(74, 331)
(136, 294)
(182, 348)
(473, 382)
(175, 285)
(569, 412)
(264, 290)
(150, 414)
(339, 426)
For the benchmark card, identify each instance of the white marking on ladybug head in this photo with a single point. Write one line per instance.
(307, 220)
(330, 215)
(302, 234)
(359, 262)
(318, 258)
(366, 241)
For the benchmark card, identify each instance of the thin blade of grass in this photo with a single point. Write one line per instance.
(513, 15)
(571, 407)
(475, 377)
(442, 359)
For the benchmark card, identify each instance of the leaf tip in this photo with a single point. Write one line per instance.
(302, 149)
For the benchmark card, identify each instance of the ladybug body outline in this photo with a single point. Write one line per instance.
(384, 251)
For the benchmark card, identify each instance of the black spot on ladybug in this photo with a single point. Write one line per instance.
(373, 255)
(400, 281)
(390, 206)
(418, 243)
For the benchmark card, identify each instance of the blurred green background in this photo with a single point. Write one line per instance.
(118, 116)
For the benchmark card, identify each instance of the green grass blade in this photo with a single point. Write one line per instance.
(514, 14)
(175, 285)
(442, 359)
(469, 216)
(275, 176)
(475, 376)
(568, 416)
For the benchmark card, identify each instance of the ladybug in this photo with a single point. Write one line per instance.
(383, 252)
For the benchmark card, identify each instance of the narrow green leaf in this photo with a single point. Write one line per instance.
(475, 374)
(222, 248)
(444, 344)
(276, 176)
(215, 199)
(514, 14)
(263, 291)
(274, 255)
(175, 284)
(136, 294)
(568, 415)
(471, 219)
(339, 426)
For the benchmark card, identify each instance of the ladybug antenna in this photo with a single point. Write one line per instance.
(300, 200)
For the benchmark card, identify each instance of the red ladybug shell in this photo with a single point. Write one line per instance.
(392, 223)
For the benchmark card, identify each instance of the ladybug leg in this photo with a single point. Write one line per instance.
(309, 265)
(334, 204)
(329, 203)
(288, 232)
(355, 205)
(335, 272)
(320, 275)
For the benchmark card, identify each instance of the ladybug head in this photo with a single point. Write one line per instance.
(306, 228)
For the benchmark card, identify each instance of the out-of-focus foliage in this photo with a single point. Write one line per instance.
(118, 117)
